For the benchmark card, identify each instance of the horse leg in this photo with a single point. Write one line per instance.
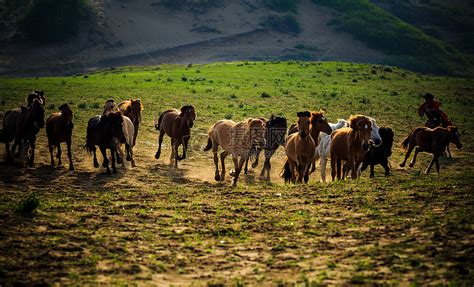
(173, 152)
(32, 158)
(384, 163)
(267, 165)
(449, 151)
(301, 169)
(130, 152)
(333, 167)
(104, 155)
(185, 147)
(255, 163)
(364, 167)
(238, 168)
(372, 173)
(7, 148)
(246, 167)
(216, 161)
(135, 134)
(160, 141)
(407, 155)
(176, 156)
(322, 167)
(338, 168)
(292, 165)
(354, 169)
(113, 152)
(235, 159)
(50, 146)
(15, 144)
(412, 162)
(437, 165)
(58, 155)
(306, 172)
(223, 156)
(435, 158)
(96, 163)
(69, 154)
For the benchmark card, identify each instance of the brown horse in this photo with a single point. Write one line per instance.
(177, 125)
(133, 110)
(22, 125)
(433, 141)
(300, 150)
(350, 144)
(59, 129)
(237, 139)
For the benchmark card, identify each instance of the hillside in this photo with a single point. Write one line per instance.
(147, 32)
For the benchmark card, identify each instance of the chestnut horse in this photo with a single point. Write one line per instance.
(59, 129)
(300, 149)
(133, 110)
(350, 144)
(433, 141)
(237, 139)
(177, 125)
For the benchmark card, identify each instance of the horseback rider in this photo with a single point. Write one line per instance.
(431, 107)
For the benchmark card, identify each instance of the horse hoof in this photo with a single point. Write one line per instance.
(411, 164)
(232, 173)
(129, 158)
(217, 177)
(96, 164)
(71, 168)
(157, 155)
(402, 165)
(254, 165)
(133, 164)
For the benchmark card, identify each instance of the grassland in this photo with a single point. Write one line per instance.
(156, 225)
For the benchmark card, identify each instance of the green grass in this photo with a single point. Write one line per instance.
(407, 45)
(154, 224)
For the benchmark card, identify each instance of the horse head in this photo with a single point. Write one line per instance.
(136, 108)
(256, 130)
(189, 115)
(66, 110)
(455, 136)
(113, 124)
(319, 123)
(276, 131)
(37, 111)
(363, 128)
(109, 106)
(36, 94)
(303, 123)
(375, 135)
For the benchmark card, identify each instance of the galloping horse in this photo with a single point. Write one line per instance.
(133, 110)
(300, 148)
(275, 135)
(432, 141)
(380, 154)
(236, 139)
(350, 144)
(59, 129)
(104, 131)
(22, 125)
(177, 125)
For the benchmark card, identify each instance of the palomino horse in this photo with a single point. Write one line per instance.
(133, 110)
(105, 132)
(128, 130)
(275, 135)
(350, 144)
(432, 141)
(236, 139)
(177, 125)
(59, 129)
(300, 148)
(323, 148)
(22, 125)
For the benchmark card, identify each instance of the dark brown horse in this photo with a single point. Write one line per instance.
(105, 132)
(36, 94)
(22, 125)
(177, 125)
(133, 110)
(59, 129)
(432, 141)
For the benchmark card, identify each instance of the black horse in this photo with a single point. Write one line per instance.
(381, 153)
(105, 132)
(275, 135)
(22, 125)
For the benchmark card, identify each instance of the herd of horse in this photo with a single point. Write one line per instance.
(352, 145)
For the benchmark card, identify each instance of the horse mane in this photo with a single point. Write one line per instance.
(303, 114)
(139, 101)
(355, 120)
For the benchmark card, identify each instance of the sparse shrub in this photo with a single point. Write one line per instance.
(265, 95)
(284, 24)
(51, 107)
(184, 78)
(28, 205)
(95, 105)
(228, 116)
(82, 106)
(49, 21)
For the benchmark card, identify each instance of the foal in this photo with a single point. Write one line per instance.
(432, 141)
(177, 125)
(59, 129)
(300, 148)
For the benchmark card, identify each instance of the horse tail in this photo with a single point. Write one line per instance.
(157, 126)
(209, 144)
(406, 141)
(286, 172)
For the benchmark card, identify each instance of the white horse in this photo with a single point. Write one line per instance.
(323, 148)
(128, 131)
